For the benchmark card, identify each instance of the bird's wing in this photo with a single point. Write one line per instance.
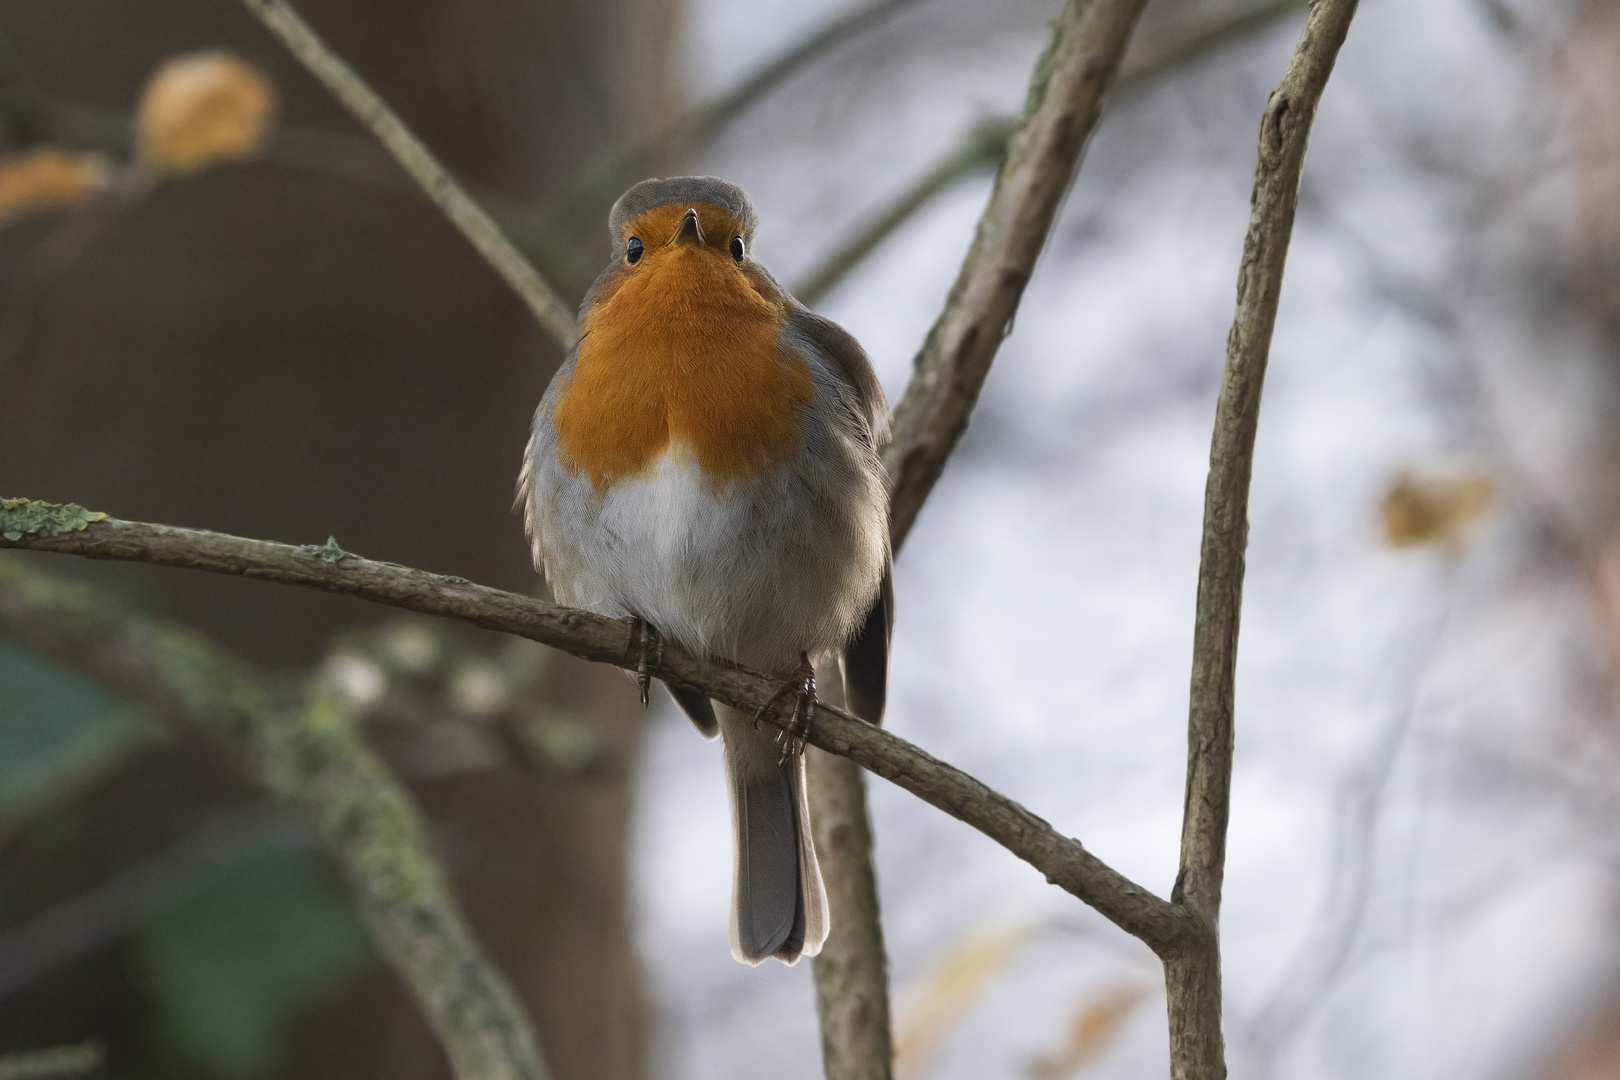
(849, 361)
(542, 445)
(697, 707)
(866, 657)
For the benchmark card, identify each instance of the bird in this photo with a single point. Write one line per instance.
(705, 465)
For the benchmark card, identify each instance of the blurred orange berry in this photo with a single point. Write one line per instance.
(50, 178)
(203, 108)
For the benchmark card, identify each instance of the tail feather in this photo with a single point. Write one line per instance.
(697, 707)
(778, 907)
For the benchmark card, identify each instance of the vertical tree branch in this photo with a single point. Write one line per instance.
(1064, 103)
(1192, 972)
(311, 755)
(1063, 106)
(417, 160)
(852, 972)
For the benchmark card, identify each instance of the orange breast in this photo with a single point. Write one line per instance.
(682, 355)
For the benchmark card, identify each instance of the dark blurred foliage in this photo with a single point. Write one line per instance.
(285, 353)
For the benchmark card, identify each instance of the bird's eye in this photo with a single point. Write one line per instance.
(737, 249)
(632, 251)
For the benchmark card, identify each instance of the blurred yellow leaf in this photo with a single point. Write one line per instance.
(1432, 509)
(201, 109)
(1096, 1021)
(49, 179)
(946, 993)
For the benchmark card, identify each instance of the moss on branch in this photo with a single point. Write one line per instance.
(307, 750)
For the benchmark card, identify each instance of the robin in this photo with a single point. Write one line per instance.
(704, 465)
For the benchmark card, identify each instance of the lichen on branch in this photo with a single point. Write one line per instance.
(29, 517)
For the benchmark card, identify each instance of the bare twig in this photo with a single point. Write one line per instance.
(312, 756)
(1158, 54)
(986, 145)
(1342, 910)
(417, 160)
(1193, 979)
(1065, 100)
(852, 971)
(708, 119)
(1064, 861)
(336, 155)
(602, 183)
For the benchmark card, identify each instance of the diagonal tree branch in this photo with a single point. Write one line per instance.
(1065, 101)
(310, 754)
(417, 160)
(1042, 153)
(1063, 860)
(1193, 978)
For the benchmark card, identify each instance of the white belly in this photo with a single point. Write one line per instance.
(755, 571)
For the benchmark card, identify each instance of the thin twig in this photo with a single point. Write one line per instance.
(337, 155)
(311, 755)
(1064, 861)
(709, 119)
(602, 183)
(417, 160)
(1194, 980)
(1065, 101)
(986, 145)
(1161, 53)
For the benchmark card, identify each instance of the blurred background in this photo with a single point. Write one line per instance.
(221, 306)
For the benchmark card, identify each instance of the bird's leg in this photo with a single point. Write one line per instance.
(802, 686)
(648, 645)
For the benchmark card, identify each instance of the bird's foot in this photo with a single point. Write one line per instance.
(802, 687)
(648, 646)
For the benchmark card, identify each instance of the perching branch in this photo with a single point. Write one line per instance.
(311, 754)
(417, 160)
(1064, 861)
(1065, 101)
(1193, 979)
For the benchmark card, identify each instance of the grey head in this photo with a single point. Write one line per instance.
(690, 190)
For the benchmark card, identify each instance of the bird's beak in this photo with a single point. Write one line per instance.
(690, 229)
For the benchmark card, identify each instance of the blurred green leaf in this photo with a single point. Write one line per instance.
(56, 729)
(228, 967)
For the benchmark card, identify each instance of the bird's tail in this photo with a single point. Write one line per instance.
(778, 904)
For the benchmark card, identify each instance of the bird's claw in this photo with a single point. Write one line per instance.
(648, 645)
(802, 686)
